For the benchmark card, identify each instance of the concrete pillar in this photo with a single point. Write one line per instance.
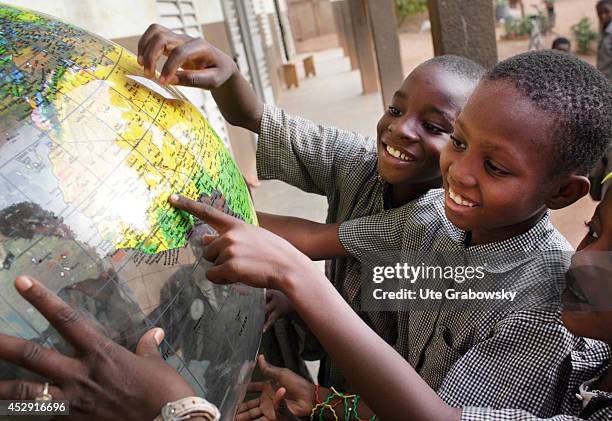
(465, 28)
(386, 45)
(364, 45)
(344, 28)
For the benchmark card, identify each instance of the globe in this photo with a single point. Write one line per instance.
(88, 158)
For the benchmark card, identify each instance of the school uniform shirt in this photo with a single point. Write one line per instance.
(589, 361)
(340, 165)
(497, 354)
(604, 52)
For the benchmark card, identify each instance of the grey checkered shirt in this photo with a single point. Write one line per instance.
(586, 362)
(340, 165)
(507, 356)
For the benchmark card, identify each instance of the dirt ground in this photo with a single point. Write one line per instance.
(417, 47)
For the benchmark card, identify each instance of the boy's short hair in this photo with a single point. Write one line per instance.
(604, 3)
(560, 41)
(575, 95)
(461, 66)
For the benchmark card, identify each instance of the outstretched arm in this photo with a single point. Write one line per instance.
(316, 240)
(245, 253)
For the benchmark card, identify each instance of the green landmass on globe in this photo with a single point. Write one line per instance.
(88, 159)
(51, 69)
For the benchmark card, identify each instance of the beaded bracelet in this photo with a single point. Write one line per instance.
(344, 398)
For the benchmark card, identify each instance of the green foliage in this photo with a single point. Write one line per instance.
(501, 3)
(410, 7)
(517, 26)
(584, 34)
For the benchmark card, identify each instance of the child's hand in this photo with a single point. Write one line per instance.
(203, 66)
(286, 394)
(267, 407)
(277, 306)
(246, 253)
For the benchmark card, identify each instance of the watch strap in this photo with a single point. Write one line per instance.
(188, 408)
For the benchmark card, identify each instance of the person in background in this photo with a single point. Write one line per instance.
(604, 49)
(562, 44)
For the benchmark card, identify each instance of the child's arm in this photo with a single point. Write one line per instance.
(204, 66)
(316, 240)
(245, 253)
(388, 383)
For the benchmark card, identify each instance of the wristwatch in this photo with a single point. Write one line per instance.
(188, 408)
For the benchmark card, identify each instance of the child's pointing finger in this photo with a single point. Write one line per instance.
(220, 221)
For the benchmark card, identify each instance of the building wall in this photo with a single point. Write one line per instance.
(310, 18)
(115, 19)
(108, 18)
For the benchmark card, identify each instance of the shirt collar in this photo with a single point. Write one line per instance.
(502, 256)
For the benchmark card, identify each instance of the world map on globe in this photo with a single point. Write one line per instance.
(88, 159)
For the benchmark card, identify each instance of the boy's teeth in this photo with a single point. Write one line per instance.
(459, 200)
(397, 154)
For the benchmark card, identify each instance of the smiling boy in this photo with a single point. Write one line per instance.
(358, 175)
(522, 145)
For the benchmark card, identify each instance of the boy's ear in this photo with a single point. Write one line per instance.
(572, 189)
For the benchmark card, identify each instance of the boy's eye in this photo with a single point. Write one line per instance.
(495, 169)
(394, 111)
(433, 128)
(458, 144)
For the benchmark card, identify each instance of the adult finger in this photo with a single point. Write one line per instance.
(71, 324)
(148, 345)
(213, 217)
(36, 358)
(23, 390)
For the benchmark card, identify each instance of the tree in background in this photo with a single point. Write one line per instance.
(407, 8)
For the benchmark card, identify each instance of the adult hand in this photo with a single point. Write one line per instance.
(285, 389)
(245, 253)
(203, 65)
(103, 381)
(277, 307)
